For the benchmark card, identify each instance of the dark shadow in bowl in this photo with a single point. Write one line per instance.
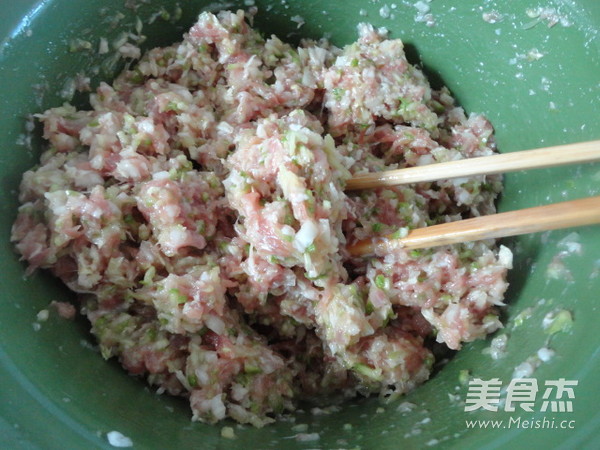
(414, 57)
(528, 249)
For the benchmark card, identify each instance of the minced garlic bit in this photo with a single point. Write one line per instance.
(557, 321)
(117, 439)
(228, 433)
(42, 315)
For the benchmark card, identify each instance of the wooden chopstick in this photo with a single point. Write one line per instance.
(572, 213)
(505, 162)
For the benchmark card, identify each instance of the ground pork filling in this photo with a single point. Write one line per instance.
(198, 209)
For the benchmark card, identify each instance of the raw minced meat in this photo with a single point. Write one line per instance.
(198, 209)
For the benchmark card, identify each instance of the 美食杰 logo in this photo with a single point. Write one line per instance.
(557, 395)
(522, 395)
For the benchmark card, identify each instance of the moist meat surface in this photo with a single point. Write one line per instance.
(198, 209)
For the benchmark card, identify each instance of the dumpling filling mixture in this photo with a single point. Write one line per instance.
(198, 209)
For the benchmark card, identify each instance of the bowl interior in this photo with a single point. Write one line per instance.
(538, 84)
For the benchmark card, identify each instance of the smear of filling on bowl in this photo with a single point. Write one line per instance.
(198, 209)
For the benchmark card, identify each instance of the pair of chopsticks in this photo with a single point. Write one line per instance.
(572, 213)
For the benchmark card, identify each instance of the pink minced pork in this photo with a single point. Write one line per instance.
(198, 209)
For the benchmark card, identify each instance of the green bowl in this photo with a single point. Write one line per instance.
(538, 84)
